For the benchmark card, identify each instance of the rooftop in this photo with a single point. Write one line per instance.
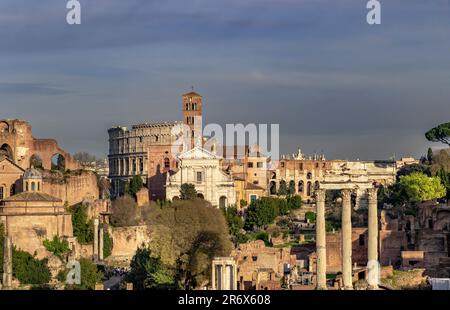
(33, 196)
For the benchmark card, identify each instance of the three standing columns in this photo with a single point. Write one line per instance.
(321, 241)
(346, 237)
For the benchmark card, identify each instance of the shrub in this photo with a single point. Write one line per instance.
(310, 217)
(57, 246)
(29, 270)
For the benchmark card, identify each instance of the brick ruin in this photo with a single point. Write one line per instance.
(19, 145)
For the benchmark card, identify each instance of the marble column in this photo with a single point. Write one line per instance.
(223, 277)
(7, 263)
(346, 236)
(372, 250)
(100, 244)
(95, 253)
(213, 277)
(321, 241)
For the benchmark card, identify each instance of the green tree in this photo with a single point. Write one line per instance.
(310, 217)
(176, 228)
(28, 269)
(283, 190)
(134, 186)
(188, 191)
(294, 202)
(148, 272)
(59, 247)
(430, 155)
(409, 169)
(82, 228)
(90, 275)
(420, 187)
(440, 133)
(291, 188)
(260, 213)
(124, 212)
(444, 176)
(235, 223)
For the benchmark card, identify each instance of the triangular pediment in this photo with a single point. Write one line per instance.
(7, 166)
(198, 153)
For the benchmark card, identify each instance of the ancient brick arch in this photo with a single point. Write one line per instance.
(47, 148)
(18, 143)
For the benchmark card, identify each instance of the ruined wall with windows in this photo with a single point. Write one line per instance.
(18, 144)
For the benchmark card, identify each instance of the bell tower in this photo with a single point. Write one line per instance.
(192, 116)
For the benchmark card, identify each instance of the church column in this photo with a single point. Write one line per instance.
(346, 239)
(372, 255)
(321, 241)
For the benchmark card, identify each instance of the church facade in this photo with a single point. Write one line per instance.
(204, 170)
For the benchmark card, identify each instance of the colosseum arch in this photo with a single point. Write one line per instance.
(273, 188)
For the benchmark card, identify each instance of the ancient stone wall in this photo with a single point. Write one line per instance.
(73, 188)
(29, 231)
(126, 240)
(334, 250)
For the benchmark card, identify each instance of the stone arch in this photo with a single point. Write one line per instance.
(309, 176)
(36, 161)
(274, 175)
(175, 198)
(58, 162)
(291, 188)
(222, 201)
(316, 185)
(6, 150)
(309, 188)
(273, 188)
(200, 195)
(4, 127)
(301, 186)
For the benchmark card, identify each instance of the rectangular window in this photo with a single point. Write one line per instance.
(250, 165)
(199, 177)
(253, 198)
(1, 193)
(259, 165)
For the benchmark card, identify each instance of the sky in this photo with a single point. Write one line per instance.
(334, 83)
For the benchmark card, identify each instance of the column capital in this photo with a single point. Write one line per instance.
(346, 194)
(373, 193)
(320, 195)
